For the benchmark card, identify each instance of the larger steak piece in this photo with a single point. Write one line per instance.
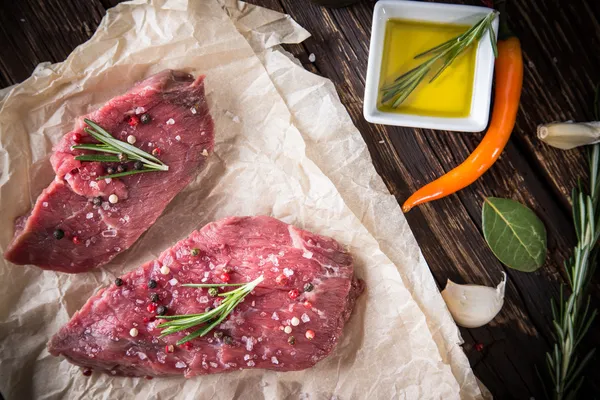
(72, 226)
(293, 319)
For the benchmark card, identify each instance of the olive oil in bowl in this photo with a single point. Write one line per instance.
(450, 94)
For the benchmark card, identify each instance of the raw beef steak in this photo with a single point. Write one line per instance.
(167, 114)
(290, 321)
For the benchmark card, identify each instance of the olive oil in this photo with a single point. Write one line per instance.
(449, 95)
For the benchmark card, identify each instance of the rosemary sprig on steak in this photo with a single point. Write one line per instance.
(209, 320)
(122, 152)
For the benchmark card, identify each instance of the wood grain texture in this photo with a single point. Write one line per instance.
(560, 42)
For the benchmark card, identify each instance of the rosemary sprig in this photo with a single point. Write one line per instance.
(447, 52)
(573, 317)
(124, 152)
(209, 320)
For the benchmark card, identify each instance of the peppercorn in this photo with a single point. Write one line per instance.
(118, 282)
(225, 277)
(59, 234)
(123, 157)
(151, 307)
(138, 165)
(121, 168)
(161, 310)
(86, 372)
(294, 293)
(227, 340)
(97, 201)
(218, 334)
(110, 170)
(292, 340)
(194, 252)
(154, 297)
(151, 283)
(145, 119)
(213, 291)
(156, 152)
(308, 287)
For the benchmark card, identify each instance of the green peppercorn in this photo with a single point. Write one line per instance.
(97, 201)
(218, 334)
(227, 340)
(58, 234)
(145, 119)
(154, 297)
(121, 168)
(138, 165)
(161, 310)
(110, 170)
(151, 283)
(118, 282)
(194, 252)
(292, 340)
(213, 291)
(308, 287)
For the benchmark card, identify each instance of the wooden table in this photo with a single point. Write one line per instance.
(561, 43)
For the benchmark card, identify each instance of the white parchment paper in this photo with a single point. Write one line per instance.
(286, 147)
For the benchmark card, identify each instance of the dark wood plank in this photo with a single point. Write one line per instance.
(560, 71)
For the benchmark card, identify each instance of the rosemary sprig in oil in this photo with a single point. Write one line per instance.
(446, 53)
(208, 320)
(122, 152)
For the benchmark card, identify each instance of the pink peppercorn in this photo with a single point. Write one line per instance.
(133, 120)
(281, 280)
(151, 307)
(479, 346)
(294, 293)
(75, 240)
(310, 334)
(225, 277)
(87, 372)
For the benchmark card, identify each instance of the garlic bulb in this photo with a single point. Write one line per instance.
(473, 306)
(568, 135)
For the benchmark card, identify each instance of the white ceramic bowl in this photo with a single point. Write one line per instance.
(431, 12)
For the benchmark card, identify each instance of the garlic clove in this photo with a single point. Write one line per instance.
(473, 306)
(568, 135)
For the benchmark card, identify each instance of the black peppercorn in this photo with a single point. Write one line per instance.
(110, 170)
(161, 310)
(292, 340)
(59, 234)
(218, 334)
(154, 297)
(145, 118)
(308, 287)
(138, 165)
(151, 283)
(213, 291)
(227, 340)
(118, 281)
(194, 252)
(121, 168)
(97, 201)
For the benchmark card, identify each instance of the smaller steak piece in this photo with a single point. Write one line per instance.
(292, 320)
(73, 227)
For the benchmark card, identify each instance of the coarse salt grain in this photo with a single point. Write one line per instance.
(113, 199)
(178, 138)
(133, 332)
(173, 282)
(193, 110)
(108, 180)
(180, 364)
(170, 121)
(287, 329)
(89, 215)
(139, 110)
(288, 272)
(246, 357)
(45, 204)
(274, 360)
(305, 318)
(250, 363)
(275, 316)
(131, 139)
(312, 58)
(164, 270)
(205, 153)
(236, 119)
(295, 321)
(307, 254)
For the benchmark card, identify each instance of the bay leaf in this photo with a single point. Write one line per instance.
(516, 236)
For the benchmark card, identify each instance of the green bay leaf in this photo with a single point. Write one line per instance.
(515, 234)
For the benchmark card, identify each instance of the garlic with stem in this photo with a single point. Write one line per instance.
(568, 135)
(473, 306)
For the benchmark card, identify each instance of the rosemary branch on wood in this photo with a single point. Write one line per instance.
(121, 151)
(573, 316)
(447, 52)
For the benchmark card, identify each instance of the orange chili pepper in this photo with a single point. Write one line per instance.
(509, 80)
